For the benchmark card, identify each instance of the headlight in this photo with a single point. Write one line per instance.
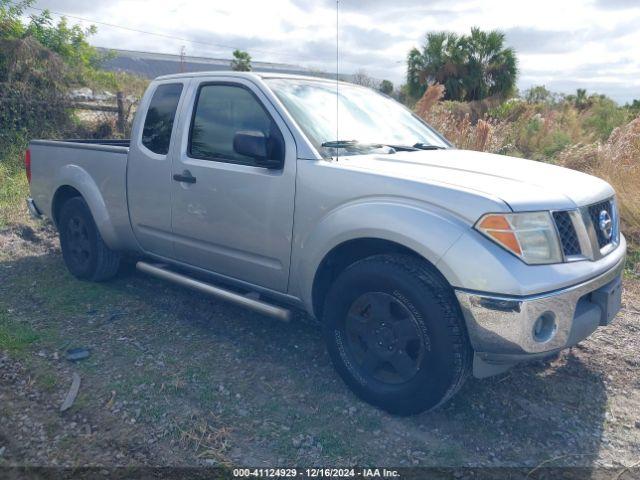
(529, 235)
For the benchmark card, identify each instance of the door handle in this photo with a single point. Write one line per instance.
(184, 177)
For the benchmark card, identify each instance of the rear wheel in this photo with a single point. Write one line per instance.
(85, 254)
(395, 333)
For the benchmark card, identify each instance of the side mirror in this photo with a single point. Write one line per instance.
(254, 144)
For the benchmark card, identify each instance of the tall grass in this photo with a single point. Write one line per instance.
(618, 162)
(14, 187)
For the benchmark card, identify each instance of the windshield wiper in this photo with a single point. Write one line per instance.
(356, 144)
(402, 148)
(359, 145)
(349, 144)
(412, 148)
(426, 146)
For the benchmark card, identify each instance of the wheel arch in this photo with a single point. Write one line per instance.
(349, 252)
(60, 197)
(74, 181)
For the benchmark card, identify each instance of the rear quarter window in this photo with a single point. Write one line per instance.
(156, 134)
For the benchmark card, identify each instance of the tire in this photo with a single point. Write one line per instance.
(85, 254)
(396, 335)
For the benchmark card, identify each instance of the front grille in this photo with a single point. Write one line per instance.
(594, 213)
(567, 232)
(581, 229)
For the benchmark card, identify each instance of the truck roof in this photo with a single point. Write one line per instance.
(249, 75)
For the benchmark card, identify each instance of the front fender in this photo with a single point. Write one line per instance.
(425, 229)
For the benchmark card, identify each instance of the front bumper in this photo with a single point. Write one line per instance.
(504, 330)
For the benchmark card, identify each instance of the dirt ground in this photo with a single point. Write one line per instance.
(177, 378)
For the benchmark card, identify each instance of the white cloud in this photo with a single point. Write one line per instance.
(565, 44)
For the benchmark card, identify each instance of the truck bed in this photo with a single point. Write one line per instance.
(97, 169)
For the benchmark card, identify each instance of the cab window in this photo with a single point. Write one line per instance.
(221, 112)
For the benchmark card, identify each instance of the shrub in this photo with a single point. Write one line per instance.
(508, 111)
(603, 116)
(32, 93)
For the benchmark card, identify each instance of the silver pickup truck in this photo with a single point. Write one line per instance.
(423, 263)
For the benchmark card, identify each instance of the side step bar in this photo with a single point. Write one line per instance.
(237, 298)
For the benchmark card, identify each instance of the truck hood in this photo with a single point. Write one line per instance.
(522, 184)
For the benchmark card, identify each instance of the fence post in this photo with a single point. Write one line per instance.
(121, 119)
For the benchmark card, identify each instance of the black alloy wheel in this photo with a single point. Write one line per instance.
(384, 338)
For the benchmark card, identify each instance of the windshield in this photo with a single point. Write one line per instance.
(365, 116)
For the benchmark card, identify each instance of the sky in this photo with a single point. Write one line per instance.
(562, 44)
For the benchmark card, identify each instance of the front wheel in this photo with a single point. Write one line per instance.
(396, 335)
(85, 254)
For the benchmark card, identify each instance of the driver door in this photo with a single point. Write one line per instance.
(230, 215)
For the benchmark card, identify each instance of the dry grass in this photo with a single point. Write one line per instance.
(432, 95)
(486, 135)
(618, 162)
(208, 441)
(459, 122)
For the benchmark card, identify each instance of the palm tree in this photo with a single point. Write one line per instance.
(471, 67)
(581, 101)
(492, 68)
(444, 63)
(415, 65)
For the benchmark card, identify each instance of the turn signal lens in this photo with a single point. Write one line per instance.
(494, 222)
(529, 235)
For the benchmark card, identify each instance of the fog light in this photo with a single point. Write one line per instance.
(545, 327)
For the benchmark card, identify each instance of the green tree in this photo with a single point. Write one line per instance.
(241, 61)
(70, 42)
(471, 67)
(11, 27)
(386, 87)
(539, 94)
(40, 61)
